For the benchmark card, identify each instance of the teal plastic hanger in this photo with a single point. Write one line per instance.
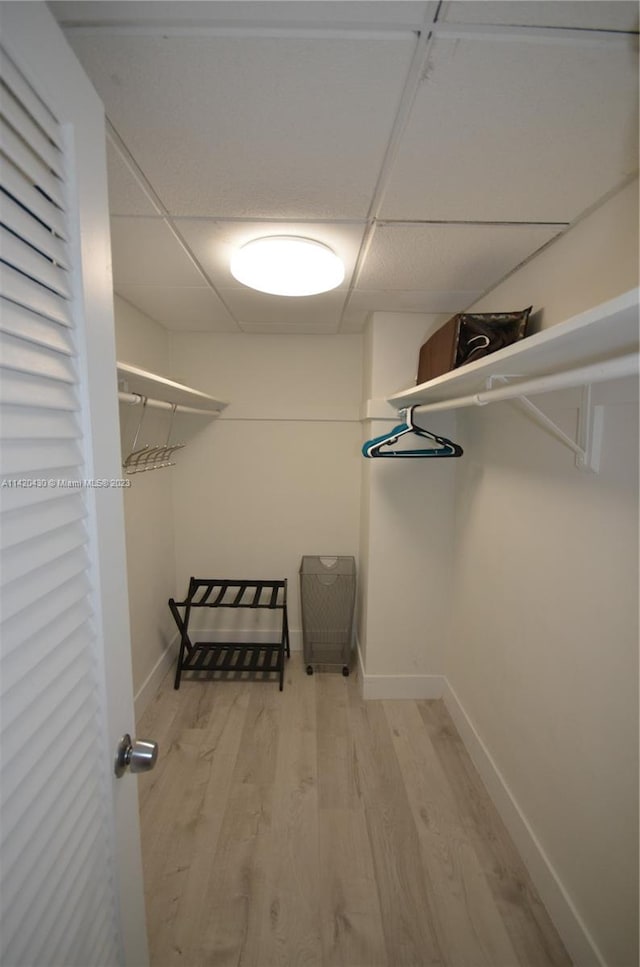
(382, 446)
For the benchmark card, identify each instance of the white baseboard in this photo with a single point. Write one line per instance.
(398, 686)
(149, 688)
(361, 670)
(570, 926)
(402, 686)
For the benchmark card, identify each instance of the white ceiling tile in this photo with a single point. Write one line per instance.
(592, 14)
(277, 127)
(213, 242)
(126, 197)
(447, 258)
(257, 309)
(409, 300)
(180, 307)
(392, 13)
(515, 131)
(256, 113)
(146, 252)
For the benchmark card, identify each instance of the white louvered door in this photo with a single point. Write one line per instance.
(71, 885)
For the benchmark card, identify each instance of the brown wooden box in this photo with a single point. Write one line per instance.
(438, 353)
(469, 336)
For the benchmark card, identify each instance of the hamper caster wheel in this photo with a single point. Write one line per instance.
(309, 669)
(345, 671)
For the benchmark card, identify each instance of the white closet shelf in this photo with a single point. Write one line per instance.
(139, 382)
(594, 345)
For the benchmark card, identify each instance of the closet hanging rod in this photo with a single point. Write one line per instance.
(134, 399)
(596, 373)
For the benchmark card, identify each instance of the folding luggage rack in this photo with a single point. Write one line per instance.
(225, 656)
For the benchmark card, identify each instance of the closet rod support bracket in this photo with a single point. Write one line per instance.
(588, 443)
(590, 427)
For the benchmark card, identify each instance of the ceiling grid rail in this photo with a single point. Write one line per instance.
(432, 161)
(163, 211)
(415, 76)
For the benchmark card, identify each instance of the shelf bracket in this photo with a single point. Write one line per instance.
(588, 442)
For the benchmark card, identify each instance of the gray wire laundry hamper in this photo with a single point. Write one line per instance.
(327, 596)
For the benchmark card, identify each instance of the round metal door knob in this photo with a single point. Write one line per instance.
(137, 755)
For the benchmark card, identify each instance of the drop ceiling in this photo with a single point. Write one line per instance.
(434, 146)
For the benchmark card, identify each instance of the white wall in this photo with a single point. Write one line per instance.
(148, 512)
(362, 603)
(594, 261)
(543, 655)
(278, 475)
(409, 524)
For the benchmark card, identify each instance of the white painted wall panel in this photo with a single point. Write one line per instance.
(409, 520)
(544, 648)
(149, 523)
(278, 475)
(274, 377)
(594, 262)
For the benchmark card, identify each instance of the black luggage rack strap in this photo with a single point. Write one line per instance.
(225, 656)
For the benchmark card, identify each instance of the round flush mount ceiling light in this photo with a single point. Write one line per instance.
(286, 265)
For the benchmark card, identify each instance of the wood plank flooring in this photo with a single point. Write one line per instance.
(307, 828)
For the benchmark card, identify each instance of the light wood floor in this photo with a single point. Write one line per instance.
(307, 827)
